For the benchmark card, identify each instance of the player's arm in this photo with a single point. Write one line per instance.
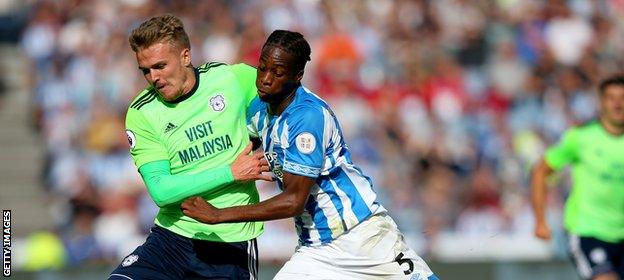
(554, 159)
(252, 124)
(151, 157)
(253, 118)
(289, 203)
(302, 165)
(538, 198)
(165, 188)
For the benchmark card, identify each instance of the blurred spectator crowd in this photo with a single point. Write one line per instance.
(446, 104)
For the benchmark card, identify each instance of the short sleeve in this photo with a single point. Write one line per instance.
(305, 152)
(144, 144)
(246, 76)
(565, 152)
(254, 111)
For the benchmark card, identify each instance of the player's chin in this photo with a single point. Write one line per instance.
(264, 97)
(168, 96)
(618, 118)
(164, 95)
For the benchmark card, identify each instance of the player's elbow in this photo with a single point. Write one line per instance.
(160, 202)
(156, 188)
(294, 207)
(160, 199)
(541, 170)
(295, 210)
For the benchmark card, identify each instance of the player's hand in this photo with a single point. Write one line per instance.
(198, 209)
(542, 231)
(248, 167)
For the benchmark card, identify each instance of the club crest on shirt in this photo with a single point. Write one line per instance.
(131, 138)
(305, 142)
(217, 103)
(129, 260)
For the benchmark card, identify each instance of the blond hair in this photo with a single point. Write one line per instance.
(159, 29)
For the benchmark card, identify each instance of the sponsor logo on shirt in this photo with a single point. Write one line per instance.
(170, 127)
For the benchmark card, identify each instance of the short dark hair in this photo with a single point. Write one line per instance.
(615, 80)
(159, 29)
(292, 42)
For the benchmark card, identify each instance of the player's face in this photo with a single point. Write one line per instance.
(165, 67)
(612, 105)
(277, 76)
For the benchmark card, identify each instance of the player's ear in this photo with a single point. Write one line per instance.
(185, 55)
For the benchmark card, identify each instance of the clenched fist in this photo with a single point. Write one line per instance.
(542, 231)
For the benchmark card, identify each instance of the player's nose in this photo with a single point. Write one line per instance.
(153, 76)
(266, 79)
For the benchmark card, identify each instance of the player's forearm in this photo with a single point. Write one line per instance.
(289, 203)
(165, 188)
(174, 188)
(278, 207)
(538, 190)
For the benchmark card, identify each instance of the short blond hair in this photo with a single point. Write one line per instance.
(165, 28)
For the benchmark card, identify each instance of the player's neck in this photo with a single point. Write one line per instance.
(278, 108)
(189, 84)
(613, 129)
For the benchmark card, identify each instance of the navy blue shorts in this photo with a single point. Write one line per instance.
(593, 257)
(166, 255)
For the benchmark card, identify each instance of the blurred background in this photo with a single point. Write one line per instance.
(446, 104)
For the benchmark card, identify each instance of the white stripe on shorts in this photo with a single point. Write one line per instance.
(583, 266)
(252, 260)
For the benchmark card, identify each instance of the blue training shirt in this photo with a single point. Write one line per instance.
(306, 140)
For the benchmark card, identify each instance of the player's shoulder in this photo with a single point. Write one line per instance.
(212, 65)
(308, 103)
(587, 127)
(212, 70)
(257, 103)
(143, 99)
(243, 67)
(587, 130)
(137, 113)
(215, 66)
(307, 113)
(256, 106)
(306, 109)
(219, 72)
(588, 124)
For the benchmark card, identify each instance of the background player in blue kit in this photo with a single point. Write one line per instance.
(344, 232)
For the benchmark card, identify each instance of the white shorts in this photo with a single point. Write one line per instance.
(374, 249)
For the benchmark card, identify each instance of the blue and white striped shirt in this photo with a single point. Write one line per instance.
(306, 140)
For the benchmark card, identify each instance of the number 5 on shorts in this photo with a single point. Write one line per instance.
(399, 259)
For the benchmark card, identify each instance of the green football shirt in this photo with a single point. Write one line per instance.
(207, 129)
(595, 207)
